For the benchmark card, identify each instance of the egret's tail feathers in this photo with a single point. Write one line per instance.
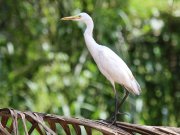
(136, 87)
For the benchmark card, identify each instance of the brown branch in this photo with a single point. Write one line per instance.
(47, 124)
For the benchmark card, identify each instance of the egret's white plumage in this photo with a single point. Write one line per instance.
(108, 62)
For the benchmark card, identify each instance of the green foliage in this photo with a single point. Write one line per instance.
(45, 66)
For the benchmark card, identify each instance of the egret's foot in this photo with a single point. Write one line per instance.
(108, 122)
(104, 122)
(113, 122)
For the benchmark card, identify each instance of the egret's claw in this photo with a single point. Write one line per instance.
(108, 122)
(105, 121)
(113, 122)
(119, 113)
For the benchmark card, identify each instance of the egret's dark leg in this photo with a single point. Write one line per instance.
(114, 117)
(116, 107)
(124, 98)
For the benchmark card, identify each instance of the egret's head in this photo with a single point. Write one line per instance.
(82, 17)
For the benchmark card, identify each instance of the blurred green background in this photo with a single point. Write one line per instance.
(45, 65)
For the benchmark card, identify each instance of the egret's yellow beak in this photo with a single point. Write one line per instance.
(71, 18)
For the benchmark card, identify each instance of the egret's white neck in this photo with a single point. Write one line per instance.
(88, 36)
(89, 27)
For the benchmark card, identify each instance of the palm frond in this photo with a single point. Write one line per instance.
(31, 122)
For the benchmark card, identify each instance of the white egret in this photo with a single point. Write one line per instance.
(108, 62)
